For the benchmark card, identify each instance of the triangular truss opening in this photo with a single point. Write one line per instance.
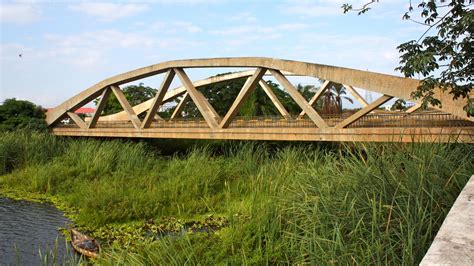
(264, 101)
(299, 99)
(219, 96)
(157, 100)
(83, 115)
(316, 100)
(197, 98)
(105, 97)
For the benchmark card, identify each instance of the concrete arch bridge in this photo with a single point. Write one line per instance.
(448, 123)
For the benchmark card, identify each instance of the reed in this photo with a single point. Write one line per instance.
(295, 203)
(53, 255)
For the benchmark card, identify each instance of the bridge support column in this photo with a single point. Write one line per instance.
(315, 98)
(126, 106)
(300, 100)
(207, 111)
(100, 107)
(279, 106)
(369, 108)
(158, 98)
(180, 107)
(356, 95)
(244, 93)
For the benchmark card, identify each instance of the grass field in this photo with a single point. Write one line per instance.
(292, 203)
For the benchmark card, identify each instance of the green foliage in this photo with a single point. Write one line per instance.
(19, 149)
(17, 114)
(309, 204)
(259, 104)
(135, 94)
(449, 51)
(221, 96)
(399, 104)
(444, 59)
(366, 7)
(331, 100)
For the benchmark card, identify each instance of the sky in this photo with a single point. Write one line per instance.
(68, 46)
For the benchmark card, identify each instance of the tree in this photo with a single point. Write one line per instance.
(339, 91)
(398, 105)
(307, 91)
(258, 103)
(331, 100)
(135, 94)
(444, 59)
(17, 114)
(328, 103)
(222, 95)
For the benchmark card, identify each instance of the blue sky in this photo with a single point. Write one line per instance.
(67, 46)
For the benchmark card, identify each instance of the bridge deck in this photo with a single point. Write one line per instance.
(398, 127)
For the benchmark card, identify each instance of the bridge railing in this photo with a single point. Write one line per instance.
(416, 120)
(372, 120)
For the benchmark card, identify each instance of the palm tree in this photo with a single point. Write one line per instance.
(331, 99)
(328, 102)
(307, 91)
(339, 91)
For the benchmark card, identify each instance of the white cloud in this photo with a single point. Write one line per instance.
(175, 27)
(314, 10)
(19, 13)
(259, 30)
(90, 48)
(186, 26)
(251, 33)
(365, 52)
(95, 47)
(244, 16)
(109, 11)
(292, 26)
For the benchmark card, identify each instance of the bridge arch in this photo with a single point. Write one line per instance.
(389, 86)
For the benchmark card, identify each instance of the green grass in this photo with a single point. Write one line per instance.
(298, 203)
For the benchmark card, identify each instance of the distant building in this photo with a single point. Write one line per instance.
(83, 112)
(86, 111)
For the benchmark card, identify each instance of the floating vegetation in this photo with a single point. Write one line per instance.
(131, 233)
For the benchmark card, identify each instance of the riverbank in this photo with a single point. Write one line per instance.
(305, 203)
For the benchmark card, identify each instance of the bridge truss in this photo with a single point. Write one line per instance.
(446, 124)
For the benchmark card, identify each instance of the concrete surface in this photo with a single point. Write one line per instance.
(381, 83)
(454, 243)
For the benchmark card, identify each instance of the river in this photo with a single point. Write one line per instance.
(27, 227)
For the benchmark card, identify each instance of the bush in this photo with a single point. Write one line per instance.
(17, 114)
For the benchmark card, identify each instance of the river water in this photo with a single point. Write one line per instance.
(27, 227)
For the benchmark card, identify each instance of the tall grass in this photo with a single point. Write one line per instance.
(304, 204)
(53, 255)
(19, 149)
